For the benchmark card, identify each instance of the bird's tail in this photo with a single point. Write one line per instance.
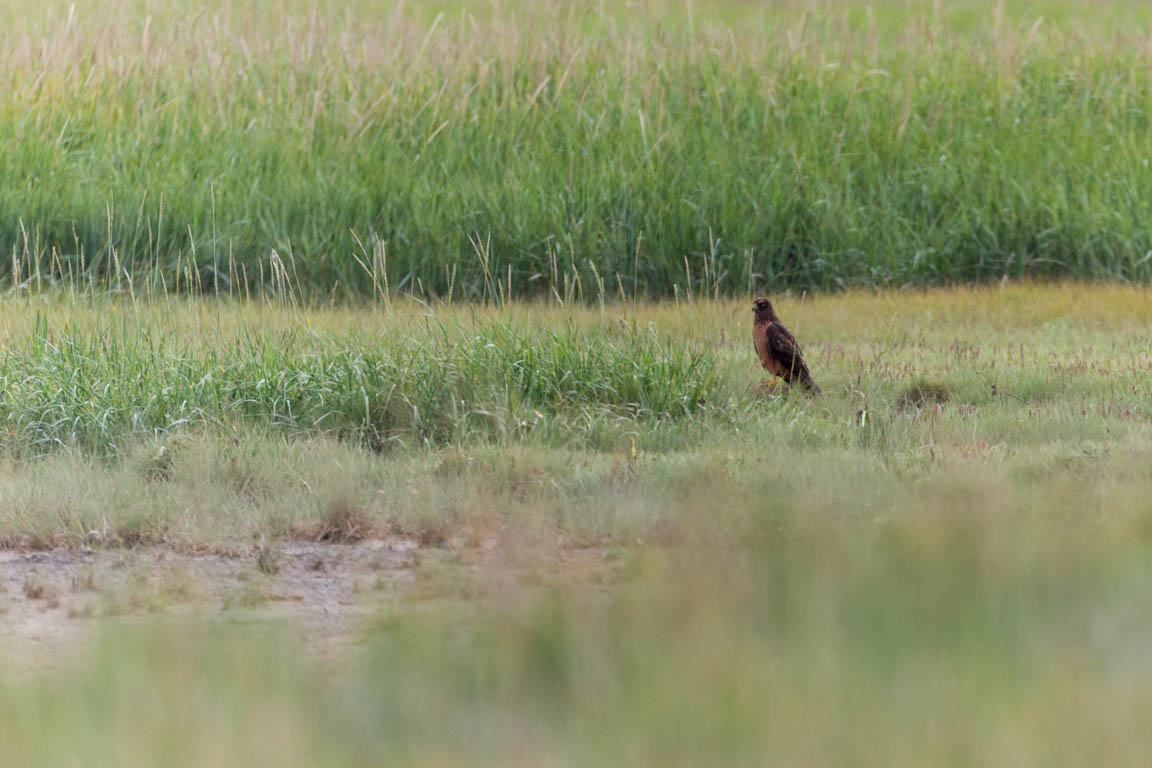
(805, 378)
(799, 373)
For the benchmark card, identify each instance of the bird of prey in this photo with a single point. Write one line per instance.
(777, 348)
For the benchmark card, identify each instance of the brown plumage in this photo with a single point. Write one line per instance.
(779, 353)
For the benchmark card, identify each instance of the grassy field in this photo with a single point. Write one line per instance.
(536, 148)
(942, 559)
(558, 403)
(377, 386)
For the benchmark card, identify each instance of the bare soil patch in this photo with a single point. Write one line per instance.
(321, 593)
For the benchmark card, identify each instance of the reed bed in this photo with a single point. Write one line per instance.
(572, 149)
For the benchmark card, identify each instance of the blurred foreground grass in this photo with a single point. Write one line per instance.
(981, 629)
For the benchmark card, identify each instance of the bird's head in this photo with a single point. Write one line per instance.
(762, 307)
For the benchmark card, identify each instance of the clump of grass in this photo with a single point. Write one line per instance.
(37, 586)
(924, 393)
(345, 521)
(268, 559)
(431, 529)
(92, 387)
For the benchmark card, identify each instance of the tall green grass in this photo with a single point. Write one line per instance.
(552, 148)
(89, 385)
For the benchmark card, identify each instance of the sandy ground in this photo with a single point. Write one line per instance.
(322, 594)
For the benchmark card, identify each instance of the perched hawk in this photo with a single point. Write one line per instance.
(779, 353)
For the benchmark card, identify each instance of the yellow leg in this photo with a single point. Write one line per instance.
(768, 385)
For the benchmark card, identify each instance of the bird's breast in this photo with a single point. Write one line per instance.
(760, 340)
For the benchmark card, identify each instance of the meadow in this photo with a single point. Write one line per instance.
(573, 399)
(377, 386)
(600, 542)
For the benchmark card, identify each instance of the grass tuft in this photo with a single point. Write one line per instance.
(923, 393)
